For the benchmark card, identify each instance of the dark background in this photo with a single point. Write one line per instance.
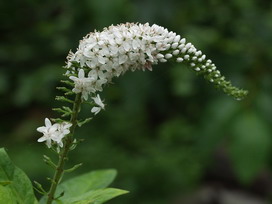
(172, 137)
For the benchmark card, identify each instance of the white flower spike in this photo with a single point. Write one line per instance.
(130, 46)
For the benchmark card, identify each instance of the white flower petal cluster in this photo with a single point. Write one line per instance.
(83, 84)
(53, 133)
(130, 46)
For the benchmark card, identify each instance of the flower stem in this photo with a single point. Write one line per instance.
(63, 156)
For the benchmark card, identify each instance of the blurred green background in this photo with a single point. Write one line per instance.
(172, 137)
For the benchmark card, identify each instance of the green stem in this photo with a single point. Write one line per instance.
(65, 150)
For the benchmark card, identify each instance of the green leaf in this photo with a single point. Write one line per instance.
(90, 181)
(6, 196)
(15, 185)
(82, 184)
(250, 146)
(97, 196)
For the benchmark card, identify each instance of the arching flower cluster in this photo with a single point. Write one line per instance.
(53, 134)
(117, 49)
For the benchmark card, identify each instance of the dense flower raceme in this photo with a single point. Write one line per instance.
(107, 54)
(54, 133)
(117, 49)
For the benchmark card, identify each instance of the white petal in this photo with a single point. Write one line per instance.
(126, 46)
(67, 125)
(52, 130)
(47, 122)
(41, 129)
(81, 74)
(93, 74)
(135, 44)
(85, 95)
(101, 74)
(42, 139)
(96, 110)
(76, 90)
(122, 59)
(66, 132)
(101, 59)
(57, 138)
(73, 78)
(98, 101)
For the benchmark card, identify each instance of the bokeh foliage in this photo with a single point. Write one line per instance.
(161, 130)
